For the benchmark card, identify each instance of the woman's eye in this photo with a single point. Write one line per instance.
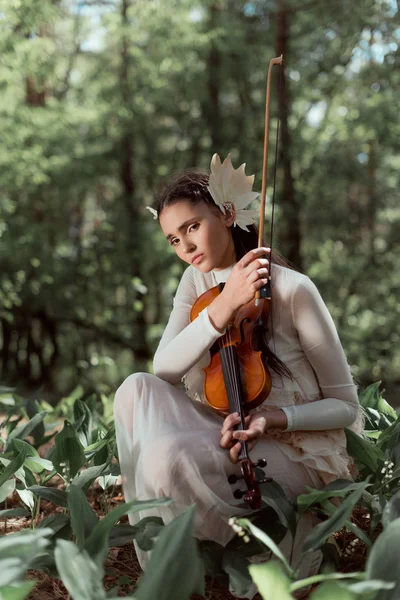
(194, 225)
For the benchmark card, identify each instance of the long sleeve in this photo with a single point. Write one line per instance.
(321, 345)
(183, 342)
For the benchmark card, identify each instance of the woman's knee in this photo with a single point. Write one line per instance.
(130, 391)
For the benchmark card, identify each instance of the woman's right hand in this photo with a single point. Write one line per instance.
(248, 275)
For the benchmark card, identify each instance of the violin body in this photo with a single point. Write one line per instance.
(235, 356)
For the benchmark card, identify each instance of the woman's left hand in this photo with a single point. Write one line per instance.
(256, 425)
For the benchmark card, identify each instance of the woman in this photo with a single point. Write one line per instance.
(170, 441)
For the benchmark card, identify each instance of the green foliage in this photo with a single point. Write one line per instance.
(95, 115)
(77, 541)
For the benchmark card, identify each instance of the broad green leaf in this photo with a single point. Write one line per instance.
(86, 477)
(372, 398)
(271, 581)
(384, 559)
(83, 518)
(237, 568)
(58, 523)
(68, 456)
(54, 495)
(301, 583)
(38, 465)
(14, 512)
(17, 592)
(148, 529)
(371, 585)
(267, 541)
(83, 422)
(338, 488)
(19, 473)
(273, 495)
(6, 489)
(363, 451)
(82, 577)
(391, 510)
(106, 481)
(332, 590)
(22, 431)
(97, 544)
(27, 498)
(11, 570)
(12, 467)
(320, 532)
(174, 554)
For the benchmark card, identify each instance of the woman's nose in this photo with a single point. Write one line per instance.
(189, 248)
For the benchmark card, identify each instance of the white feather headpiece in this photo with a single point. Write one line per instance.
(231, 189)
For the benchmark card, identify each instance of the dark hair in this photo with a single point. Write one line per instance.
(191, 185)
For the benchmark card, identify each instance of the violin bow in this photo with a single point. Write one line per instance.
(265, 291)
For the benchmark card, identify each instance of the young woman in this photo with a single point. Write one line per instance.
(170, 441)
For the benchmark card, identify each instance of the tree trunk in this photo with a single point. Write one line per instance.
(142, 350)
(289, 227)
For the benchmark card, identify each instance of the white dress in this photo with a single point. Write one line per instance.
(168, 437)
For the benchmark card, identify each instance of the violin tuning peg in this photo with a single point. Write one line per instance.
(266, 480)
(234, 478)
(261, 463)
(239, 494)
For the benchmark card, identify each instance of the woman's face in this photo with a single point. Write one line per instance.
(199, 230)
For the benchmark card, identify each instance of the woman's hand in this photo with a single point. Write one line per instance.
(256, 425)
(248, 275)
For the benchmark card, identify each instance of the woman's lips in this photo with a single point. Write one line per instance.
(197, 259)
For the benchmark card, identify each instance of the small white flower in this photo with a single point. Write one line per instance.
(383, 470)
(153, 212)
(246, 539)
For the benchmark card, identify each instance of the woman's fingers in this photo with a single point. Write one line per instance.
(234, 452)
(232, 420)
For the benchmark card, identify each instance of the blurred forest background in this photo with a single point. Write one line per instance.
(101, 100)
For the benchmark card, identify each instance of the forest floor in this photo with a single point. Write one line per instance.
(122, 569)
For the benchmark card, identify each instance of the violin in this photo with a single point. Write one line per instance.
(237, 380)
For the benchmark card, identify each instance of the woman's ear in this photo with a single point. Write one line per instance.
(230, 214)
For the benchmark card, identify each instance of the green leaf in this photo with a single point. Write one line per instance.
(271, 581)
(22, 431)
(97, 544)
(68, 456)
(337, 489)
(332, 590)
(54, 495)
(371, 397)
(267, 541)
(14, 512)
(174, 554)
(273, 495)
(83, 418)
(384, 559)
(363, 451)
(17, 592)
(13, 466)
(237, 568)
(83, 518)
(391, 512)
(82, 577)
(60, 524)
(6, 489)
(27, 498)
(320, 532)
(147, 529)
(86, 477)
